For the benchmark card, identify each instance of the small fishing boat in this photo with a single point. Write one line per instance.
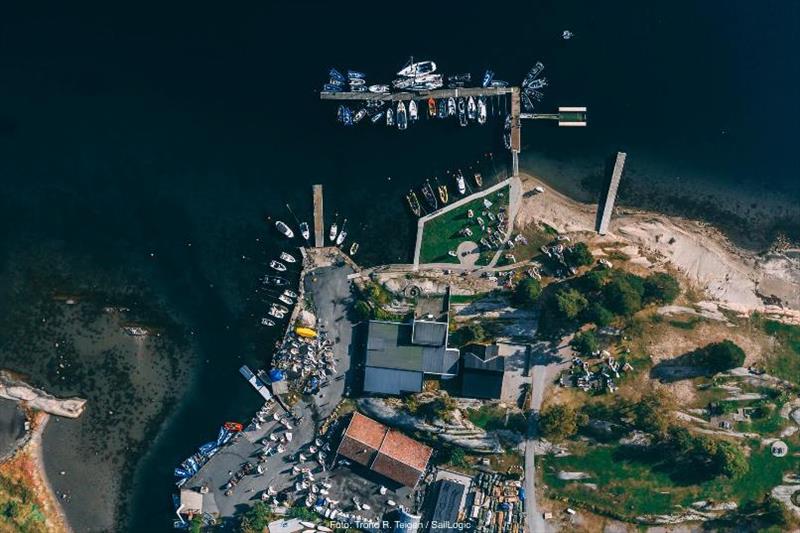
(377, 117)
(276, 313)
(461, 183)
(353, 248)
(342, 234)
(416, 69)
(233, 426)
(402, 118)
(378, 89)
(462, 111)
(478, 179)
(442, 106)
(427, 192)
(431, 107)
(285, 299)
(290, 293)
(304, 231)
(413, 203)
(355, 75)
(332, 88)
(481, 110)
(333, 231)
(360, 115)
(336, 75)
(412, 110)
(267, 322)
(280, 308)
(451, 106)
(389, 117)
(284, 229)
(442, 190)
(488, 76)
(289, 258)
(277, 265)
(472, 109)
(275, 280)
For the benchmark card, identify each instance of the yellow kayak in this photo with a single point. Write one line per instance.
(306, 332)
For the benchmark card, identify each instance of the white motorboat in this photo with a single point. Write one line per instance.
(267, 322)
(284, 229)
(481, 111)
(304, 231)
(412, 110)
(461, 183)
(342, 234)
(334, 231)
(276, 313)
(378, 89)
(290, 294)
(277, 265)
(353, 248)
(285, 299)
(280, 308)
(419, 68)
(472, 109)
(289, 258)
(402, 118)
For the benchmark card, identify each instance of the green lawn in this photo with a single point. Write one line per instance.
(627, 488)
(784, 362)
(440, 234)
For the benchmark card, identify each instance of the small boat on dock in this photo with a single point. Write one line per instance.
(478, 179)
(431, 107)
(402, 118)
(413, 203)
(389, 117)
(412, 110)
(267, 322)
(304, 231)
(451, 107)
(333, 231)
(461, 183)
(481, 110)
(277, 265)
(284, 229)
(289, 258)
(472, 109)
(353, 248)
(442, 190)
(342, 234)
(427, 192)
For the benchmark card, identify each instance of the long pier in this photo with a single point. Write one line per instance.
(611, 194)
(319, 219)
(421, 95)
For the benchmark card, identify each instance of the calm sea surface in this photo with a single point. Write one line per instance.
(175, 131)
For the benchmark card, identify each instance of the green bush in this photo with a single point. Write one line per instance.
(719, 356)
(570, 303)
(661, 288)
(598, 314)
(585, 343)
(578, 255)
(257, 517)
(622, 297)
(527, 292)
(466, 334)
(362, 310)
(559, 422)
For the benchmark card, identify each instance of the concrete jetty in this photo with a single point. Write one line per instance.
(604, 218)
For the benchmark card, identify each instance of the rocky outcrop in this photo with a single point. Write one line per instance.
(13, 389)
(465, 435)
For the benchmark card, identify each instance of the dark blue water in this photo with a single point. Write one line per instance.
(126, 131)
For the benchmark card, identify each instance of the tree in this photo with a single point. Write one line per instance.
(585, 343)
(526, 292)
(653, 414)
(196, 524)
(661, 288)
(257, 518)
(729, 459)
(570, 303)
(559, 422)
(578, 255)
(362, 310)
(719, 356)
(466, 334)
(622, 297)
(593, 281)
(598, 314)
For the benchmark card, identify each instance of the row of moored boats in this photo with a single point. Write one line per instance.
(469, 109)
(436, 192)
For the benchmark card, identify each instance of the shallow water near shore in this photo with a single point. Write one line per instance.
(140, 155)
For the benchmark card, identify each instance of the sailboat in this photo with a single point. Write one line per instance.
(415, 69)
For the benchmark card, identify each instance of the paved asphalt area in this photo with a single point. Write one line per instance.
(329, 289)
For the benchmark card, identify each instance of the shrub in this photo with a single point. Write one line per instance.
(559, 422)
(570, 303)
(729, 459)
(661, 287)
(257, 518)
(585, 343)
(527, 292)
(598, 314)
(467, 334)
(622, 297)
(719, 356)
(578, 255)
(362, 310)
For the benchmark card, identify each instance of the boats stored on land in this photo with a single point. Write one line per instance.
(402, 118)
(461, 183)
(412, 110)
(304, 231)
(284, 229)
(289, 258)
(431, 107)
(277, 265)
(472, 109)
(413, 203)
(427, 192)
(481, 110)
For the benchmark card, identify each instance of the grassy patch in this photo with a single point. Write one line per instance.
(784, 362)
(440, 234)
(491, 417)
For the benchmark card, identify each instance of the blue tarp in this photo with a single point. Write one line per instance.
(521, 493)
(276, 375)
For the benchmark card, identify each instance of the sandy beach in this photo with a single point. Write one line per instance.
(739, 280)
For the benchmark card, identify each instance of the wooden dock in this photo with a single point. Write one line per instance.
(516, 131)
(611, 194)
(319, 219)
(421, 95)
